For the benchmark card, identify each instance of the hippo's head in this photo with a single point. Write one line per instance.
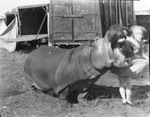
(122, 50)
(113, 49)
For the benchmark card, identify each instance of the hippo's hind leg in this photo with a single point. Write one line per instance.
(32, 84)
(35, 87)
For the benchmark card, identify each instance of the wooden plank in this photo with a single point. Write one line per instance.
(28, 38)
(32, 6)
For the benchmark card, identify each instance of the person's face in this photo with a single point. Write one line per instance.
(137, 34)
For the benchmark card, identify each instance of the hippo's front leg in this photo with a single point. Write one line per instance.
(64, 98)
(82, 99)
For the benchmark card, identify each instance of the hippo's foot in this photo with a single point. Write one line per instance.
(96, 102)
(66, 104)
(35, 89)
(82, 100)
(63, 96)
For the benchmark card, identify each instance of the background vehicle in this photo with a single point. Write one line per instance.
(74, 21)
(66, 22)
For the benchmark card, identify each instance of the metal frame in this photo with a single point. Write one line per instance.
(32, 6)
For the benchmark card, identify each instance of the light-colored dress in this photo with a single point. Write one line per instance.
(139, 62)
(139, 59)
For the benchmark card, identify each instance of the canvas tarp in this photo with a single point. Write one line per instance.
(2, 25)
(9, 34)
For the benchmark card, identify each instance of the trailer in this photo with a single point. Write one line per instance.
(77, 21)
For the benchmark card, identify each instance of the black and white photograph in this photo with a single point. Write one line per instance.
(74, 58)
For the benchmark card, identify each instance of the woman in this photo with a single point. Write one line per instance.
(140, 60)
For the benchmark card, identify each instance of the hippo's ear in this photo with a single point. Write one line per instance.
(106, 35)
(126, 31)
(90, 42)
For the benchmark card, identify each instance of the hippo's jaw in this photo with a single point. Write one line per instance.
(120, 60)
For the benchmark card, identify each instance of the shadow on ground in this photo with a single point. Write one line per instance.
(103, 92)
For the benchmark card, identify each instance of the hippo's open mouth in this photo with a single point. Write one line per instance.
(120, 57)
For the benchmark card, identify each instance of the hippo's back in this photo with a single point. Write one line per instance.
(41, 65)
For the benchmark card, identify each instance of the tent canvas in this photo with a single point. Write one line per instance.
(2, 25)
(8, 35)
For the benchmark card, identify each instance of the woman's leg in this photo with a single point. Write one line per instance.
(128, 90)
(122, 89)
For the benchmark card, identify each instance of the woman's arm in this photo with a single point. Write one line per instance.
(145, 56)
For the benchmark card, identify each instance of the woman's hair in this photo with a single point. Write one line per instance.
(136, 27)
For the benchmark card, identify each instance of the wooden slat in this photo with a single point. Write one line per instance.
(28, 38)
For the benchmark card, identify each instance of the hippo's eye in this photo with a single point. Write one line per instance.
(121, 40)
(123, 36)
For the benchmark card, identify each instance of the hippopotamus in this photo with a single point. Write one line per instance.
(64, 71)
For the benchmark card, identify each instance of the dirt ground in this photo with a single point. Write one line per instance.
(17, 99)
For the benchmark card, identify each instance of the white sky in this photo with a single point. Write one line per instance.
(141, 5)
(8, 5)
